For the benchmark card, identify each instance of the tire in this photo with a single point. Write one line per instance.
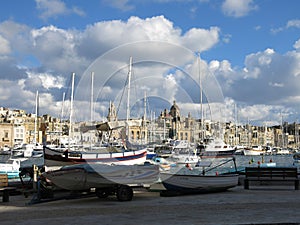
(103, 193)
(124, 193)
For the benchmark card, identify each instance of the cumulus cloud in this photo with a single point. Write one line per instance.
(238, 8)
(4, 46)
(163, 56)
(297, 45)
(57, 52)
(267, 84)
(200, 39)
(55, 49)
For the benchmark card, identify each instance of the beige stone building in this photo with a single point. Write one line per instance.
(16, 127)
(6, 135)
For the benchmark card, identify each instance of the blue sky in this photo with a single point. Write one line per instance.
(250, 52)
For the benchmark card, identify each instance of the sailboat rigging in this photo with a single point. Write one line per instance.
(57, 157)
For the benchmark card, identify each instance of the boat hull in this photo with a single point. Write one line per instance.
(253, 152)
(198, 183)
(58, 158)
(217, 154)
(84, 177)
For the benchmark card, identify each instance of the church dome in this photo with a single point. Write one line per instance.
(174, 110)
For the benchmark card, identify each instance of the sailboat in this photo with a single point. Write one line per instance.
(104, 179)
(58, 157)
(33, 148)
(193, 179)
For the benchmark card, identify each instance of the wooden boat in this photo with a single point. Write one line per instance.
(105, 179)
(192, 183)
(195, 180)
(129, 155)
(62, 157)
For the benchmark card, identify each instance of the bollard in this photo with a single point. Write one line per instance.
(35, 174)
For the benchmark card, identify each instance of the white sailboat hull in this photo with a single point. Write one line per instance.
(84, 177)
(198, 183)
(62, 157)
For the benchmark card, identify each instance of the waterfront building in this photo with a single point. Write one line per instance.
(18, 127)
(6, 135)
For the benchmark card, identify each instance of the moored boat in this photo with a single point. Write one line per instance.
(11, 167)
(61, 157)
(254, 150)
(217, 149)
(195, 180)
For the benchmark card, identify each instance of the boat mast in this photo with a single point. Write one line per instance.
(282, 132)
(201, 97)
(145, 114)
(128, 97)
(61, 118)
(71, 110)
(92, 106)
(36, 117)
(92, 98)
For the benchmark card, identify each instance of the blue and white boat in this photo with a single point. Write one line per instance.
(10, 167)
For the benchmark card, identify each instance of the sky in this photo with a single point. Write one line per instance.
(243, 54)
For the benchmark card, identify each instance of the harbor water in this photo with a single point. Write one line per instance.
(217, 165)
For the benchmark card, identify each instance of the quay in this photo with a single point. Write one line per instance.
(260, 205)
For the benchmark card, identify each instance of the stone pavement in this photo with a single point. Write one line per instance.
(259, 205)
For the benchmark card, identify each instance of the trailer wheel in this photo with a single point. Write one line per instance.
(124, 193)
(102, 193)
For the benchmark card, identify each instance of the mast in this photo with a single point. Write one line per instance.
(236, 124)
(36, 117)
(71, 110)
(145, 114)
(282, 132)
(201, 97)
(92, 98)
(92, 106)
(128, 97)
(61, 117)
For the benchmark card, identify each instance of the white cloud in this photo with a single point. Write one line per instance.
(267, 79)
(47, 80)
(297, 45)
(54, 8)
(266, 86)
(238, 8)
(55, 49)
(200, 39)
(290, 24)
(276, 84)
(293, 23)
(58, 52)
(4, 46)
(119, 4)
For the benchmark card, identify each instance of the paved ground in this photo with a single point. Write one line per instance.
(259, 205)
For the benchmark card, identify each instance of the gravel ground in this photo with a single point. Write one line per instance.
(259, 205)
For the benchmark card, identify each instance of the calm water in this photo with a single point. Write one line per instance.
(241, 162)
(253, 161)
